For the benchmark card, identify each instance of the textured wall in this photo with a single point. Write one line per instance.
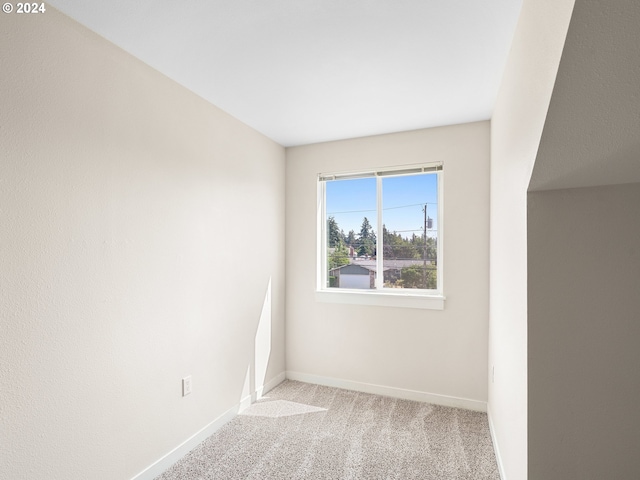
(591, 133)
(440, 352)
(584, 279)
(142, 240)
(583, 255)
(516, 128)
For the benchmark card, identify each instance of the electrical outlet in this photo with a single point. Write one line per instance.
(186, 386)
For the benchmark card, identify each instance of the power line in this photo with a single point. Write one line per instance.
(351, 211)
(388, 208)
(412, 205)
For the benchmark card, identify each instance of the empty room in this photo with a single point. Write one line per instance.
(320, 239)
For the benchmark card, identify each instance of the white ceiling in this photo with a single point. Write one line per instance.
(306, 71)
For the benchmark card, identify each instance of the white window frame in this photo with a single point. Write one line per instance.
(380, 296)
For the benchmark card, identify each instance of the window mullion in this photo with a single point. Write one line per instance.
(321, 260)
(439, 253)
(379, 236)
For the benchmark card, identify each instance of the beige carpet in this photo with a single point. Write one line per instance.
(305, 431)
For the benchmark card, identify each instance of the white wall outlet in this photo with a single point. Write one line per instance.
(186, 386)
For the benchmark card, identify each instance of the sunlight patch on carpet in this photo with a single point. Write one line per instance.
(280, 408)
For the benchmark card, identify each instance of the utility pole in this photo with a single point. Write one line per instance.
(424, 253)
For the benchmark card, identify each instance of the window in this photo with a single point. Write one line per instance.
(380, 232)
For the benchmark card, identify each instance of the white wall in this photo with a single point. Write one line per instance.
(516, 128)
(590, 135)
(142, 240)
(584, 265)
(584, 306)
(429, 351)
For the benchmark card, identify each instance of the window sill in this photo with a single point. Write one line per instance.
(382, 299)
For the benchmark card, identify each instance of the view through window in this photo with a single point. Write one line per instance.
(385, 222)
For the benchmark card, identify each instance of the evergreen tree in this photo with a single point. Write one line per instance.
(366, 239)
(334, 236)
(366, 230)
(397, 247)
(351, 238)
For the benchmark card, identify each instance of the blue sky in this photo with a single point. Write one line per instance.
(348, 201)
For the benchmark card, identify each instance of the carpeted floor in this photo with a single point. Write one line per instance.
(305, 431)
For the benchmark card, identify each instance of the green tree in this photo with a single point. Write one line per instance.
(367, 248)
(338, 257)
(432, 249)
(396, 247)
(334, 236)
(366, 230)
(366, 239)
(351, 238)
(425, 249)
(412, 277)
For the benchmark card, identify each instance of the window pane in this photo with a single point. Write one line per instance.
(351, 233)
(410, 227)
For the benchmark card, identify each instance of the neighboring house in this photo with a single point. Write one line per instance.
(362, 273)
(353, 276)
(393, 264)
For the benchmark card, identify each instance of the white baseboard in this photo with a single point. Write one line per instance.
(435, 398)
(496, 446)
(270, 385)
(159, 466)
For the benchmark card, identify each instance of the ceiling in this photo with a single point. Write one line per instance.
(307, 71)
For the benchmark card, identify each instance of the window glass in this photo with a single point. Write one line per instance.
(351, 223)
(393, 247)
(409, 231)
